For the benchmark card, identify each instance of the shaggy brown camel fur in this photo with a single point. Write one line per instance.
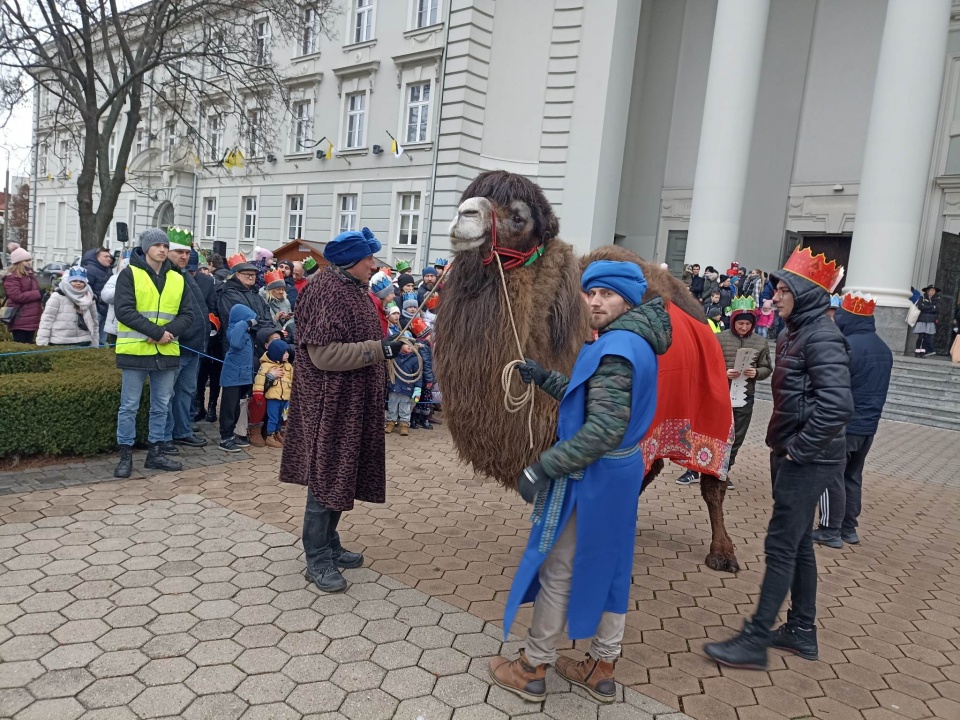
(474, 338)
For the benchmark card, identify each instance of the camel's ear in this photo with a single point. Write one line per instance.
(552, 228)
(565, 313)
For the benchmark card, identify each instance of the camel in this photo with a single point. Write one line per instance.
(507, 213)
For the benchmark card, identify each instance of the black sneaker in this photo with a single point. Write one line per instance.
(191, 441)
(688, 478)
(828, 537)
(800, 642)
(168, 448)
(241, 441)
(850, 537)
(730, 485)
(230, 445)
(747, 651)
(327, 579)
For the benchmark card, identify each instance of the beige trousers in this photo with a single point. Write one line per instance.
(550, 607)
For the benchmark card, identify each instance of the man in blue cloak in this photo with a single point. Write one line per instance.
(579, 558)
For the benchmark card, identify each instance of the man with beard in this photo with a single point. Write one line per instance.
(579, 559)
(334, 440)
(429, 282)
(812, 404)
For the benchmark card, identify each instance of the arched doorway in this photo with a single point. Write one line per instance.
(164, 217)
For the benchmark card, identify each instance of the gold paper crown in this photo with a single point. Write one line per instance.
(859, 304)
(816, 269)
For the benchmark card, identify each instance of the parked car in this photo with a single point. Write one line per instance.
(48, 272)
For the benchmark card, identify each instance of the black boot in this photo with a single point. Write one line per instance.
(346, 559)
(796, 640)
(327, 579)
(747, 651)
(199, 415)
(125, 466)
(168, 448)
(321, 546)
(156, 460)
(212, 412)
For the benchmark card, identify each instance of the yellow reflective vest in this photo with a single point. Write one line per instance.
(159, 308)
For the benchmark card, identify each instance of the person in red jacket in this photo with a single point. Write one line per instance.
(23, 293)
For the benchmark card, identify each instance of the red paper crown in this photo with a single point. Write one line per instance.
(859, 304)
(235, 260)
(816, 269)
(272, 277)
(432, 302)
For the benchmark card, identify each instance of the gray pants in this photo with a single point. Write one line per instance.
(399, 407)
(550, 607)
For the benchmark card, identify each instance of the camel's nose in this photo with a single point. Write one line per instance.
(470, 212)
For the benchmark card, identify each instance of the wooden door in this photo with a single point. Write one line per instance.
(676, 248)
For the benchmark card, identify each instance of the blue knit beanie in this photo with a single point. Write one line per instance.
(276, 349)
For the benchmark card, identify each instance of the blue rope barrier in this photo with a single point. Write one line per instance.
(98, 347)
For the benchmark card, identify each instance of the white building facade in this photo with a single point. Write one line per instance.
(687, 130)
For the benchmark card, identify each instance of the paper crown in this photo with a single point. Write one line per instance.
(391, 308)
(179, 236)
(380, 284)
(440, 262)
(816, 269)
(275, 279)
(432, 302)
(742, 304)
(419, 327)
(235, 260)
(859, 304)
(835, 301)
(309, 263)
(402, 266)
(76, 273)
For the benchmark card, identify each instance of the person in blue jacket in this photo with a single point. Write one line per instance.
(236, 377)
(578, 564)
(871, 364)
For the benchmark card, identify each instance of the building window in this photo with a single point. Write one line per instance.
(418, 112)
(356, 116)
(169, 141)
(141, 142)
(428, 13)
(302, 123)
(348, 212)
(218, 51)
(132, 217)
(295, 217)
(214, 138)
(112, 151)
(64, 155)
(44, 100)
(210, 217)
(42, 151)
(363, 25)
(409, 219)
(308, 33)
(261, 42)
(255, 132)
(250, 217)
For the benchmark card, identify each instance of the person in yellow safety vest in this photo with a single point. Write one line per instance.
(153, 309)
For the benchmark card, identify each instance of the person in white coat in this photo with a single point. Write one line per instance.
(70, 315)
(107, 296)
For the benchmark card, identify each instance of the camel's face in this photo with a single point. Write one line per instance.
(470, 229)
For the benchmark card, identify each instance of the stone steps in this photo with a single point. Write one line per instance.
(923, 392)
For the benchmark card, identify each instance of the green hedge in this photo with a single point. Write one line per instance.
(61, 403)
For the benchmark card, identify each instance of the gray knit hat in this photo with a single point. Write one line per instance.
(153, 236)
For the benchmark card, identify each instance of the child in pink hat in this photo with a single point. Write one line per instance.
(765, 318)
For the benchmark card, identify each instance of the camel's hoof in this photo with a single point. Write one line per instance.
(723, 563)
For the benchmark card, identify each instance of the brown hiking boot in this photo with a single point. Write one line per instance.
(404, 428)
(520, 677)
(255, 436)
(594, 676)
(274, 441)
(388, 428)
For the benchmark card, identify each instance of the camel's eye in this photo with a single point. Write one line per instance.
(517, 220)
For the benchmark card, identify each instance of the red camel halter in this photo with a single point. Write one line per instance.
(510, 259)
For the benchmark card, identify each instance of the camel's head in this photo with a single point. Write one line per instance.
(524, 217)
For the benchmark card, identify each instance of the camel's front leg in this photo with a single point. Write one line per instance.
(721, 555)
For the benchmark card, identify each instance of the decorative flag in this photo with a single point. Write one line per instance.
(397, 148)
(331, 150)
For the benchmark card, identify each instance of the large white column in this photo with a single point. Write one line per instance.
(728, 112)
(896, 163)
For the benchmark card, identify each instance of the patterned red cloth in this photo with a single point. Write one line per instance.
(693, 426)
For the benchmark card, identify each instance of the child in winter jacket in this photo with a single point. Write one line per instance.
(401, 392)
(237, 374)
(273, 382)
(765, 319)
(423, 408)
(70, 315)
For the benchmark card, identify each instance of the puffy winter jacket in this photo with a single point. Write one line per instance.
(233, 292)
(108, 295)
(23, 291)
(97, 276)
(278, 389)
(812, 402)
(60, 322)
(407, 362)
(238, 358)
(871, 364)
(929, 309)
(197, 335)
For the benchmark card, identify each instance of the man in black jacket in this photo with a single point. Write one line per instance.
(179, 430)
(811, 405)
(871, 364)
(696, 282)
(153, 309)
(97, 263)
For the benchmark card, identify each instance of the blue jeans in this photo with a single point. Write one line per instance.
(161, 390)
(275, 410)
(180, 415)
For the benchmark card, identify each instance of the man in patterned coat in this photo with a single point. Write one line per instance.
(334, 441)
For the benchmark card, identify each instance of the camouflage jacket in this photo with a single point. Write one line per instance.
(608, 394)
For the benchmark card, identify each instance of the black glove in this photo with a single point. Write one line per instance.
(531, 480)
(391, 347)
(531, 372)
(252, 322)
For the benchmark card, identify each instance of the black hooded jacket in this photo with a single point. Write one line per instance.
(871, 364)
(812, 402)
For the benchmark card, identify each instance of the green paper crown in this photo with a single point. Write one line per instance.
(742, 303)
(309, 263)
(179, 236)
(402, 266)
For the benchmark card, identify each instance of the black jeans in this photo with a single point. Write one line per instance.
(791, 562)
(209, 370)
(23, 336)
(741, 423)
(230, 409)
(320, 537)
(842, 506)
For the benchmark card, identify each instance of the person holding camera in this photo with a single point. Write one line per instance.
(334, 442)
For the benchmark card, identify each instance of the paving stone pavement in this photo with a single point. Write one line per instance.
(889, 609)
(182, 608)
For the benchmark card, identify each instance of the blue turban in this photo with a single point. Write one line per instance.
(349, 248)
(624, 278)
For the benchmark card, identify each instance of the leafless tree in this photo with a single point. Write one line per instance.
(178, 74)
